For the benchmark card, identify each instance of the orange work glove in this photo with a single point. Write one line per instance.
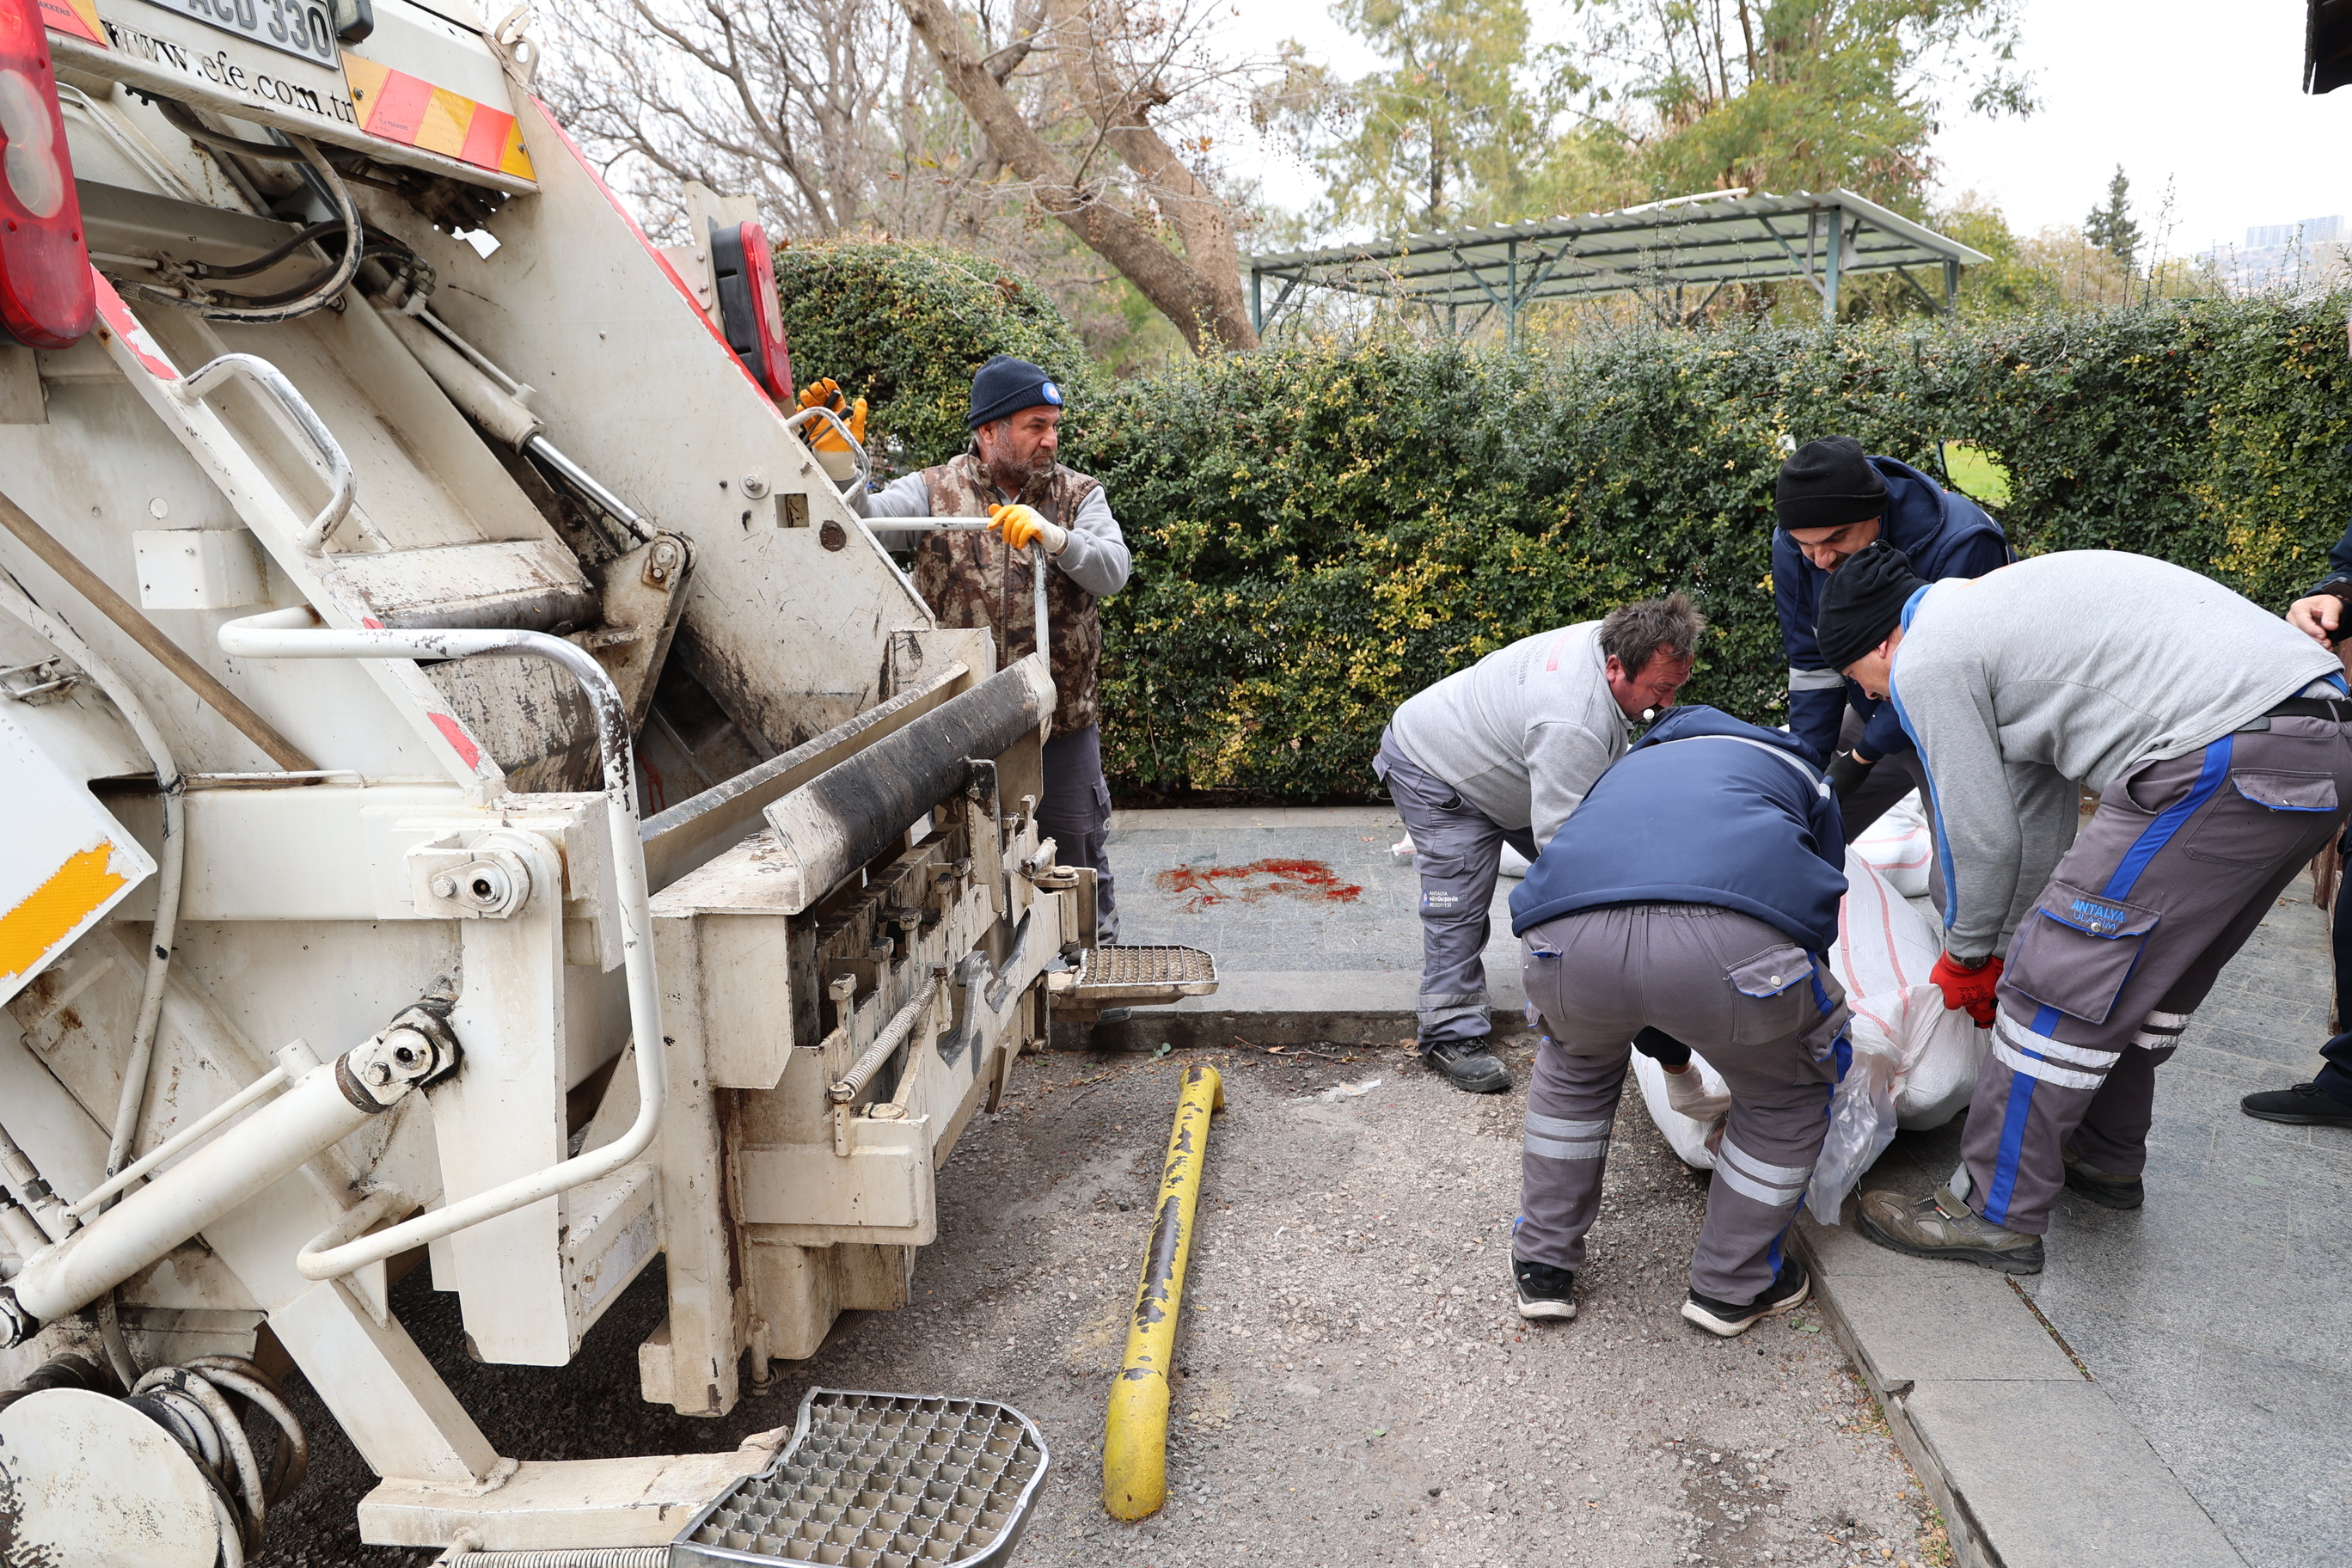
(1968, 989)
(1020, 524)
(826, 393)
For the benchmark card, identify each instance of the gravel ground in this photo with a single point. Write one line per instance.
(1353, 1386)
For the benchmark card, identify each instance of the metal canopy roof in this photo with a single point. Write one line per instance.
(1661, 250)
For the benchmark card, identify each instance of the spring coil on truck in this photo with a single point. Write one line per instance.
(196, 1405)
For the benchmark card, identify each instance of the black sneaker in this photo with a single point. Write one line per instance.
(2304, 1105)
(1471, 1063)
(1545, 1292)
(2102, 1187)
(1789, 1288)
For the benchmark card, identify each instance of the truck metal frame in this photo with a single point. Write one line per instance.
(484, 802)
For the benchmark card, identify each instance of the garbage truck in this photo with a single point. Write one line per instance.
(478, 800)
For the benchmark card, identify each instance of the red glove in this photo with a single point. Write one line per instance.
(1971, 989)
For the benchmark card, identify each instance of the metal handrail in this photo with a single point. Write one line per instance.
(856, 447)
(1038, 561)
(293, 633)
(207, 378)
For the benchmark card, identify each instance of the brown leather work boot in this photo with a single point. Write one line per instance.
(1943, 1227)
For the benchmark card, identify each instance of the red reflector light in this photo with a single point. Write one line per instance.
(45, 299)
(745, 270)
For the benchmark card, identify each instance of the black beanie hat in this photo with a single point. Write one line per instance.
(1862, 600)
(1005, 386)
(1829, 483)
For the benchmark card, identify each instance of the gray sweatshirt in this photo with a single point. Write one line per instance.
(2063, 670)
(1096, 559)
(1523, 732)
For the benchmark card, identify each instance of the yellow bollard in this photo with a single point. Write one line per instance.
(1135, 1433)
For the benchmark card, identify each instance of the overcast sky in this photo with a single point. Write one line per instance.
(2203, 93)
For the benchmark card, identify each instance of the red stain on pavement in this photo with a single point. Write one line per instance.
(1203, 887)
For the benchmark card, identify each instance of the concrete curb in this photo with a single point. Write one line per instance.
(2031, 1463)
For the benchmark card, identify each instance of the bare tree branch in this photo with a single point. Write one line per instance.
(1176, 286)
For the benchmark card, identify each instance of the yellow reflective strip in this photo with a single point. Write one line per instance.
(366, 79)
(517, 160)
(51, 910)
(448, 116)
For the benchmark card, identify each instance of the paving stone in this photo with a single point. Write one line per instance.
(2057, 1476)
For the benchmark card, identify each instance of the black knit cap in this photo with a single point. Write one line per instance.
(1862, 600)
(1829, 483)
(1004, 386)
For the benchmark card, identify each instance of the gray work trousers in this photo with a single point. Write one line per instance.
(1076, 815)
(1458, 850)
(2176, 869)
(1737, 992)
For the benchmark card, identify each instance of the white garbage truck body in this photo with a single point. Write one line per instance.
(480, 800)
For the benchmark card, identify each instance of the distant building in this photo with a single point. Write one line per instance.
(2294, 257)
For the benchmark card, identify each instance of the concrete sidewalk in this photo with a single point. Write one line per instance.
(1313, 921)
(2169, 1391)
(2219, 1367)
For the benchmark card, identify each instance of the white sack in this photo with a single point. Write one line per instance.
(1886, 949)
(1899, 847)
(1689, 1138)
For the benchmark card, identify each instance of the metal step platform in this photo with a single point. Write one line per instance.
(880, 1481)
(1133, 976)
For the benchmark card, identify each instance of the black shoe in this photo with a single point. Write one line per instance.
(2106, 1190)
(1789, 1291)
(1471, 1063)
(1545, 1292)
(2304, 1105)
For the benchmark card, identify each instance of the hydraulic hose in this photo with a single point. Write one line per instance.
(321, 291)
(132, 1104)
(1135, 1429)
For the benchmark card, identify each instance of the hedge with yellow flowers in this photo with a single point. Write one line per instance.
(1321, 529)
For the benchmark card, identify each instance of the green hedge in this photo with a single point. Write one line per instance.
(904, 326)
(1321, 531)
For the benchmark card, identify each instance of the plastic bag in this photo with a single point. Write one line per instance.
(1899, 847)
(1861, 1124)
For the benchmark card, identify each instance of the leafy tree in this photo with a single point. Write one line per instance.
(1788, 95)
(2110, 227)
(1454, 132)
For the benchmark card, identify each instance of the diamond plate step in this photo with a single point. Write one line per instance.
(1127, 976)
(882, 1480)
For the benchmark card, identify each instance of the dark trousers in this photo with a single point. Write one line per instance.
(2177, 868)
(1076, 815)
(2335, 1078)
(1889, 782)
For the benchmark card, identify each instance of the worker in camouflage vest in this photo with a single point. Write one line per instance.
(982, 579)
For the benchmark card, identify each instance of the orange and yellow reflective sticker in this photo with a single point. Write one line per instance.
(51, 911)
(414, 112)
(75, 18)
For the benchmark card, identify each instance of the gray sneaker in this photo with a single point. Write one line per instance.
(2104, 1188)
(1943, 1227)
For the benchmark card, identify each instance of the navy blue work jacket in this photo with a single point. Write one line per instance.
(1705, 809)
